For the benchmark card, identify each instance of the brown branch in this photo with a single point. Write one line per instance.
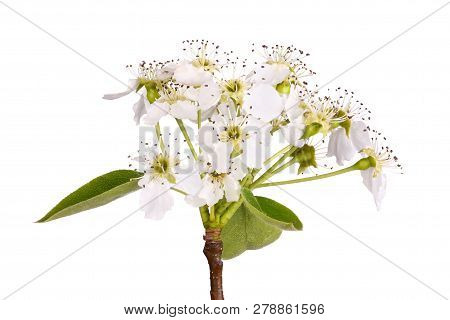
(213, 252)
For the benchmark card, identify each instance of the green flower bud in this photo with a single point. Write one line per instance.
(284, 87)
(311, 130)
(306, 157)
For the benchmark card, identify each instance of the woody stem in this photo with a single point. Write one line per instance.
(213, 252)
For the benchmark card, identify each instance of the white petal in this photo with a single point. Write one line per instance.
(221, 160)
(189, 75)
(156, 200)
(206, 114)
(376, 185)
(359, 135)
(226, 113)
(270, 73)
(132, 85)
(184, 109)
(292, 105)
(155, 111)
(232, 189)
(195, 200)
(167, 71)
(144, 180)
(255, 149)
(263, 102)
(254, 152)
(207, 95)
(340, 146)
(210, 192)
(238, 169)
(293, 132)
(139, 110)
(189, 183)
(207, 137)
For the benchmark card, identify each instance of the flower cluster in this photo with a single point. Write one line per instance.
(239, 106)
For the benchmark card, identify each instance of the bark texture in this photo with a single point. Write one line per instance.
(213, 252)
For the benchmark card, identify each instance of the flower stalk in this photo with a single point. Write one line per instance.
(186, 137)
(158, 136)
(362, 164)
(266, 175)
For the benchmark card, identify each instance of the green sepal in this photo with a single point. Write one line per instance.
(306, 157)
(152, 91)
(311, 130)
(283, 87)
(140, 86)
(95, 193)
(365, 163)
(346, 125)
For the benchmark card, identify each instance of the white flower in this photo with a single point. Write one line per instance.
(182, 102)
(146, 79)
(199, 69)
(301, 109)
(216, 185)
(352, 134)
(234, 90)
(192, 75)
(374, 178)
(281, 63)
(263, 102)
(160, 175)
(228, 134)
(345, 147)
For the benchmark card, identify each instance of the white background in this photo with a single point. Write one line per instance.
(57, 133)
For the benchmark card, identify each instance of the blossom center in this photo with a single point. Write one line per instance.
(322, 117)
(206, 64)
(234, 88)
(172, 96)
(232, 133)
(162, 167)
(218, 177)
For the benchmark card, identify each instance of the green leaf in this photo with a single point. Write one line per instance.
(246, 231)
(271, 211)
(95, 193)
(279, 212)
